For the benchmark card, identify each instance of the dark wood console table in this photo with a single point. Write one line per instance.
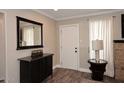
(35, 70)
(97, 69)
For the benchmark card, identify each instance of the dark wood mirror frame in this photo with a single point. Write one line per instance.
(18, 27)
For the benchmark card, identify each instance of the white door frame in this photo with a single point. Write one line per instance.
(5, 19)
(60, 29)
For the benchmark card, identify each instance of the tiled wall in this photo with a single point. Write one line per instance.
(119, 60)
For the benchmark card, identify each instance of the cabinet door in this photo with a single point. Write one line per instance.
(42, 70)
(38, 70)
(49, 66)
(25, 72)
(35, 71)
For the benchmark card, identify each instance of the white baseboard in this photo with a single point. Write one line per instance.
(56, 66)
(1, 78)
(80, 69)
(84, 70)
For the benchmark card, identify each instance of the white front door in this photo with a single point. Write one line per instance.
(69, 46)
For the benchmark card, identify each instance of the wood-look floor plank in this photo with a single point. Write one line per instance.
(62, 75)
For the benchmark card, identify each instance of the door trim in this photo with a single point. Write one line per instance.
(60, 41)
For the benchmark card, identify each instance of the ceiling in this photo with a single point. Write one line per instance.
(62, 14)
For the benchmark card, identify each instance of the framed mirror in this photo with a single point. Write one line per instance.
(29, 34)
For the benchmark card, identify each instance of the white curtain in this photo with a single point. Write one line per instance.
(102, 29)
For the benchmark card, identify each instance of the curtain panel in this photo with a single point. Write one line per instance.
(102, 29)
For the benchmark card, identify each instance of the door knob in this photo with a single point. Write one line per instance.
(75, 48)
(75, 51)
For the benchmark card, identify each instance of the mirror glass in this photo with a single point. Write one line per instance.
(29, 34)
